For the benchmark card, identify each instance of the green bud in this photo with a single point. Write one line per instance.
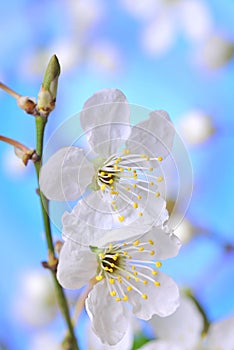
(48, 90)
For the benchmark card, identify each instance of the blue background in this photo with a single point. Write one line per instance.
(173, 81)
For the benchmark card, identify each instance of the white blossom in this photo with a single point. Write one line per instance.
(123, 271)
(122, 181)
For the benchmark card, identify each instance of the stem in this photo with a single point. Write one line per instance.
(62, 302)
(14, 143)
(9, 91)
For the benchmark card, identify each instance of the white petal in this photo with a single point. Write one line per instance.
(66, 174)
(125, 344)
(79, 231)
(220, 335)
(105, 117)
(76, 265)
(183, 327)
(94, 211)
(153, 136)
(161, 345)
(109, 318)
(166, 244)
(162, 300)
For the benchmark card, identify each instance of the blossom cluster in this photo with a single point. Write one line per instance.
(116, 236)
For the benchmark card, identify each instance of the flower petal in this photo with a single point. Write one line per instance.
(109, 318)
(125, 344)
(184, 327)
(220, 335)
(66, 174)
(94, 211)
(76, 265)
(79, 231)
(167, 245)
(162, 300)
(105, 117)
(153, 136)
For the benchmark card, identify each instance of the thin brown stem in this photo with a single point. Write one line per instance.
(14, 143)
(9, 91)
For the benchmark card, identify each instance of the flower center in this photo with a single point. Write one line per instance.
(127, 267)
(125, 179)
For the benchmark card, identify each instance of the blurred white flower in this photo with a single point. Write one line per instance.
(196, 127)
(35, 304)
(104, 55)
(44, 341)
(123, 271)
(164, 21)
(121, 181)
(216, 51)
(184, 331)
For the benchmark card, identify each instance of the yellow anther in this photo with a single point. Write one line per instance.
(117, 299)
(134, 171)
(113, 293)
(143, 155)
(135, 273)
(128, 278)
(125, 298)
(136, 243)
(114, 192)
(112, 265)
(99, 277)
(116, 167)
(115, 257)
(121, 169)
(129, 169)
(144, 296)
(137, 279)
(115, 207)
(103, 187)
(127, 188)
(111, 280)
(103, 173)
(140, 213)
(135, 205)
(111, 270)
(160, 159)
(110, 246)
(106, 268)
(133, 267)
(157, 194)
(152, 252)
(139, 197)
(157, 284)
(112, 187)
(154, 272)
(141, 249)
(126, 151)
(121, 218)
(160, 179)
(151, 183)
(147, 158)
(129, 288)
(158, 263)
(113, 202)
(145, 282)
(119, 279)
(125, 253)
(134, 186)
(111, 181)
(129, 257)
(124, 244)
(151, 242)
(117, 161)
(151, 169)
(101, 255)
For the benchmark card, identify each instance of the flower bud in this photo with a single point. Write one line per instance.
(48, 90)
